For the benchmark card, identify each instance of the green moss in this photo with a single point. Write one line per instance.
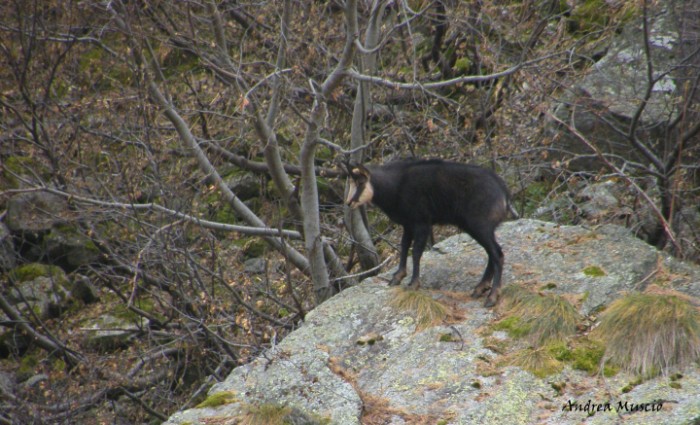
(513, 326)
(59, 365)
(462, 65)
(218, 399)
(122, 311)
(27, 366)
(592, 16)
(629, 387)
(446, 338)
(560, 351)
(588, 356)
(21, 166)
(32, 271)
(593, 271)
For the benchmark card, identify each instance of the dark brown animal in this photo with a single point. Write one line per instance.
(419, 193)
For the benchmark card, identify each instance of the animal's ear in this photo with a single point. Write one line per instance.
(359, 172)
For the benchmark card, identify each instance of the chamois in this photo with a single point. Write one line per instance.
(419, 193)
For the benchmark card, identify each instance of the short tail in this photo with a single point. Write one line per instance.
(513, 211)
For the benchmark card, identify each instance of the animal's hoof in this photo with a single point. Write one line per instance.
(479, 291)
(395, 282)
(414, 285)
(492, 299)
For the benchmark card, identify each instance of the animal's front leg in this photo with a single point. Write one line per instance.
(422, 232)
(406, 240)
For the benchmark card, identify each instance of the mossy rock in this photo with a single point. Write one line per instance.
(31, 271)
(108, 333)
(66, 246)
(42, 288)
(35, 213)
(14, 166)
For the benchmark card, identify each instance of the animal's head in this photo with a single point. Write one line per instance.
(361, 191)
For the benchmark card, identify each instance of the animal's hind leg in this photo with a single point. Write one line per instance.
(485, 282)
(497, 258)
(422, 233)
(406, 240)
(494, 268)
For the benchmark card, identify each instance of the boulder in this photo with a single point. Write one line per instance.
(357, 359)
(43, 289)
(35, 213)
(108, 332)
(65, 246)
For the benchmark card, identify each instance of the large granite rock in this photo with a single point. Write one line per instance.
(358, 360)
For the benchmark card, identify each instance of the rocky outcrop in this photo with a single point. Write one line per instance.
(358, 359)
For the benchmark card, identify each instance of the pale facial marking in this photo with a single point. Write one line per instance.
(364, 198)
(352, 188)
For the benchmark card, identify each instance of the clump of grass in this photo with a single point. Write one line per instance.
(651, 333)
(538, 361)
(540, 318)
(218, 399)
(427, 311)
(275, 414)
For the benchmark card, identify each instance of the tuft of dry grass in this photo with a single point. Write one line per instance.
(427, 311)
(651, 333)
(540, 318)
(275, 414)
(539, 361)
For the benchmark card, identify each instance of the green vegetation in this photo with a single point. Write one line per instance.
(32, 271)
(20, 166)
(218, 399)
(446, 338)
(538, 361)
(588, 356)
(426, 310)
(650, 333)
(513, 326)
(594, 271)
(548, 322)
